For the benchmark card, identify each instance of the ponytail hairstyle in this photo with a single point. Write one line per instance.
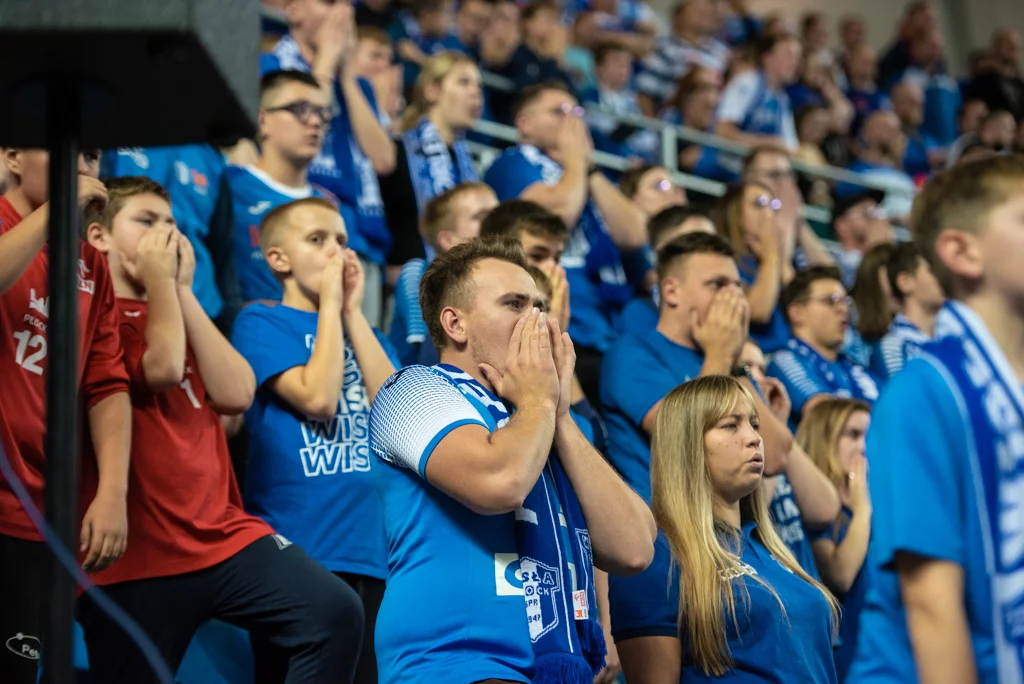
(433, 73)
(874, 304)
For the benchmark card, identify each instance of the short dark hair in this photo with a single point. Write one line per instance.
(448, 279)
(272, 80)
(670, 218)
(119, 191)
(629, 181)
(961, 198)
(810, 19)
(905, 258)
(690, 244)
(374, 33)
(536, 7)
(606, 48)
(766, 42)
(514, 217)
(800, 287)
(530, 94)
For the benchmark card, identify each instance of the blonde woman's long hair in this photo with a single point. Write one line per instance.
(704, 546)
(433, 73)
(820, 430)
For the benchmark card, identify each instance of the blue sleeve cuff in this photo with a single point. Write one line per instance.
(441, 434)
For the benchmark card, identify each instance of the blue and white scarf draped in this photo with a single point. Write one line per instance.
(590, 246)
(993, 407)
(431, 167)
(556, 562)
(852, 380)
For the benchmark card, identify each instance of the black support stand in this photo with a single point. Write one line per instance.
(62, 442)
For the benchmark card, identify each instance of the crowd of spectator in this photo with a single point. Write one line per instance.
(343, 244)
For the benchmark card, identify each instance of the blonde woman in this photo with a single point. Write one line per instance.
(432, 152)
(833, 433)
(747, 610)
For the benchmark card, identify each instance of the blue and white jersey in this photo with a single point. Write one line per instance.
(598, 283)
(253, 194)
(902, 343)
(408, 329)
(192, 176)
(342, 167)
(454, 610)
(790, 525)
(672, 58)
(806, 374)
(753, 107)
(310, 480)
(924, 502)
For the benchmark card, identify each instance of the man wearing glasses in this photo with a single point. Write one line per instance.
(811, 367)
(553, 166)
(294, 115)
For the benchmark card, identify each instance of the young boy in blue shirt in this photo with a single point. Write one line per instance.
(318, 366)
(817, 310)
(449, 219)
(945, 452)
(294, 116)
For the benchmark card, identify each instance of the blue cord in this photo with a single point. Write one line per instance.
(70, 563)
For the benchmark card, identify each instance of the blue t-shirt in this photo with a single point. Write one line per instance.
(454, 610)
(408, 329)
(806, 374)
(899, 345)
(852, 601)
(636, 373)
(768, 647)
(639, 316)
(310, 480)
(923, 502)
(790, 525)
(341, 167)
(598, 284)
(773, 335)
(253, 194)
(915, 156)
(192, 176)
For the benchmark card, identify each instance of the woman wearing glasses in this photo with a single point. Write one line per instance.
(747, 216)
(833, 433)
(432, 152)
(747, 610)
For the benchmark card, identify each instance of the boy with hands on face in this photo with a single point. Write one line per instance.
(318, 366)
(200, 554)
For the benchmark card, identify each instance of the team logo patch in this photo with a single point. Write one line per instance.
(542, 589)
(24, 645)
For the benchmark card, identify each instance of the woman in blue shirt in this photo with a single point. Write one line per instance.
(747, 611)
(747, 218)
(833, 434)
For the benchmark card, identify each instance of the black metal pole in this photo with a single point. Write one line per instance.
(62, 114)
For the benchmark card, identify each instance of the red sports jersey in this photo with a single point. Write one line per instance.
(184, 508)
(24, 310)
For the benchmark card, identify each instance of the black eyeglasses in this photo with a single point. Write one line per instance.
(303, 109)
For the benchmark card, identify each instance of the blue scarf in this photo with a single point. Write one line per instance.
(993, 404)
(568, 642)
(847, 379)
(430, 165)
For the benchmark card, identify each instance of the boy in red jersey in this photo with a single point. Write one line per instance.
(24, 309)
(195, 553)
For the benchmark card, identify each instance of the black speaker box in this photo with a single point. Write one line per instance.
(150, 72)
